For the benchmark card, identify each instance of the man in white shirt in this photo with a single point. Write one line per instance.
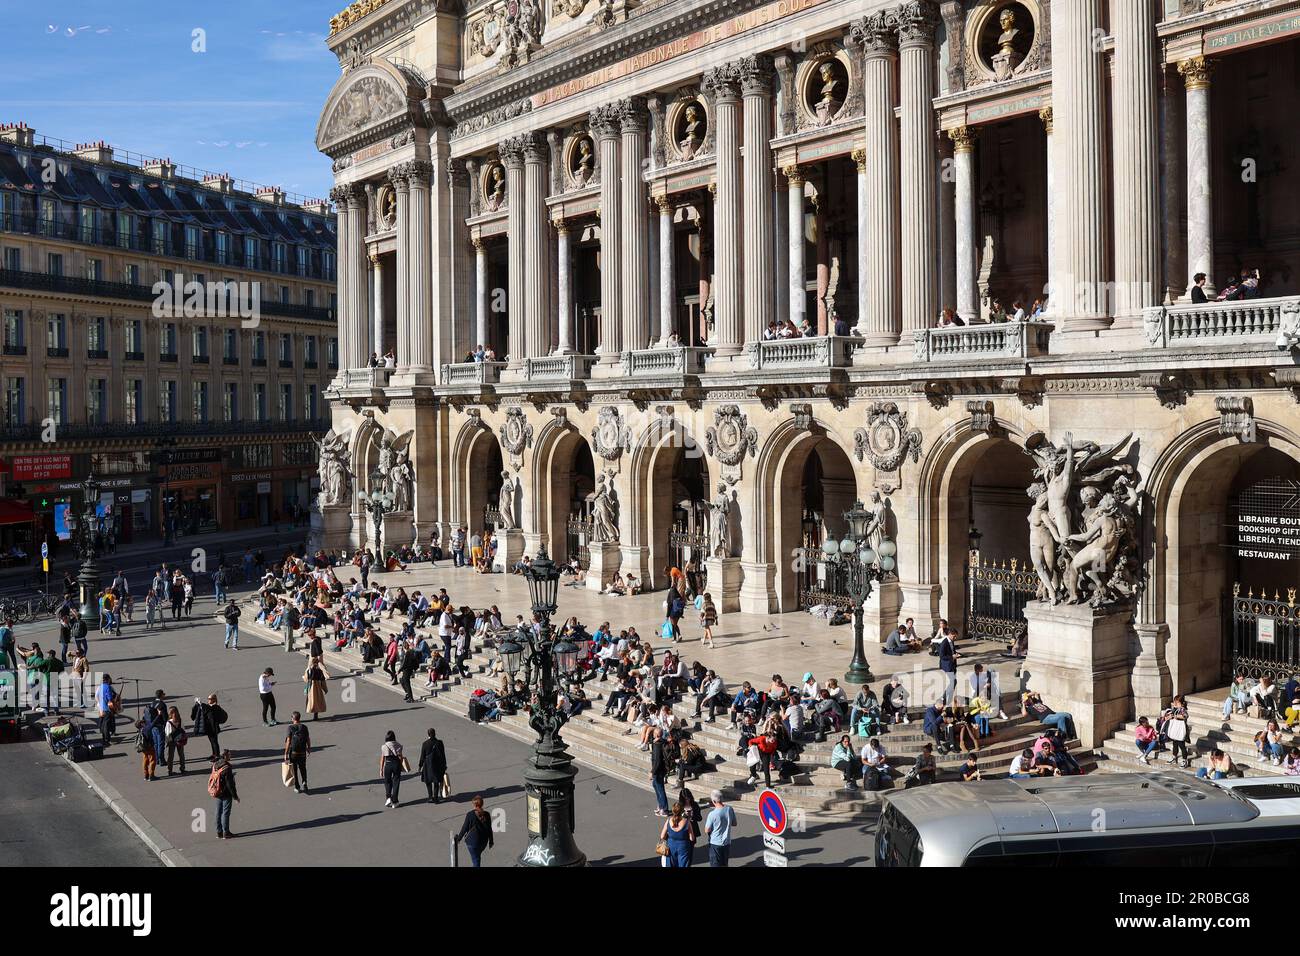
(874, 759)
(1021, 764)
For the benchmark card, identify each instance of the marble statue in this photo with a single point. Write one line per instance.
(496, 187)
(604, 512)
(691, 140)
(1008, 57)
(392, 453)
(585, 162)
(830, 101)
(506, 504)
(402, 480)
(1085, 501)
(878, 525)
(720, 543)
(335, 479)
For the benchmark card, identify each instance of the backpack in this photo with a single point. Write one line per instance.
(215, 780)
(295, 619)
(141, 742)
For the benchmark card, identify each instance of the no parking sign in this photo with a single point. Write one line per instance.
(771, 813)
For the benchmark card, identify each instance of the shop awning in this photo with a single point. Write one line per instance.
(15, 512)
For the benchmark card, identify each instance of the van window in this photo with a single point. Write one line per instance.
(1170, 848)
(897, 842)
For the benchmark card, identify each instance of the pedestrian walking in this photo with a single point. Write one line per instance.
(219, 582)
(410, 663)
(316, 687)
(267, 696)
(659, 772)
(208, 719)
(8, 645)
(152, 610)
(297, 745)
(108, 702)
(476, 832)
(717, 826)
(65, 637)
(391, 764)
(78, 626)
(231, 614)
(677, 838)
(433, 766)
(176, 740)
(221, 786)
(176, 593)
(289, 621)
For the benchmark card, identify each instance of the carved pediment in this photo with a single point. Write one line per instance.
(369, 102)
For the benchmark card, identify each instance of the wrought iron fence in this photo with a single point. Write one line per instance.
(996, 595)
(1263, 633)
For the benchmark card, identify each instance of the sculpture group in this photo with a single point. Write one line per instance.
(1083, 521)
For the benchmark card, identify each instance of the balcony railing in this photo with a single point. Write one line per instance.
(679, 360)
(1210, 323)
(556, 368)
(999, 340)
(75, 285)
(822, 351)
(156, 429)
(472, 373)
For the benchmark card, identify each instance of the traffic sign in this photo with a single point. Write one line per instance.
(771, 812)
(774, 843)
(771, 858)
(45, 549)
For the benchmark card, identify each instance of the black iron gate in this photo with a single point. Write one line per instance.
(578, 535)
(1263, 633)
(996, 595)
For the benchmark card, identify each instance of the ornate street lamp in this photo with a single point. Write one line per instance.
(549, 778)
(84, 527)
(860, 566)
(378, 503)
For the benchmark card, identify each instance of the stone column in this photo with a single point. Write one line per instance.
(564, 306)
(635, 283)
(397, 177)
(879, 254)
(606, 125)
(460, 299)
(860, 161)
(419, 343)
(798, 291)
(756, 75)
(377, 277)
(358, 290)
(1080, 160)
(1055, 284)
(667, 272)
(537, 248)
(1200, 197)
(341, 196)
(728, 223)
(963, 161)
(1137, 157)
(944, 159)
(512, 156)
(1172, 180)
(917, 20)
(481, 294)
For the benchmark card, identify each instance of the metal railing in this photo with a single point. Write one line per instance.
(1275, 318)
(821, 351)
(997, 340)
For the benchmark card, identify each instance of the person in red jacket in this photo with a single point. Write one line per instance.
(766, 745)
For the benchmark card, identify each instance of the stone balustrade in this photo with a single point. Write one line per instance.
(366, 377)
(551, 368)
(681, 360)
(1275, 319)
(823, 351)
(997, 340)
(472, 373)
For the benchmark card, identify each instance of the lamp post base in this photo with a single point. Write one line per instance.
(859, 671)
(549, 788)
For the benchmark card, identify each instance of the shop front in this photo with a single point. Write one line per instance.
(189, 502)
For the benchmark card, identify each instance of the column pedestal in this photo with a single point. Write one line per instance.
(331, 527)
(636, 560)
(921, 602)
(510, 548)
(1079, 661)
(882, 611)
(534, 541)
(724, 577)
(397, 530)
(605, 557)
(757, 588)
(1152, 682)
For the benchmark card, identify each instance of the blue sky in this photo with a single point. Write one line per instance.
(124, 71)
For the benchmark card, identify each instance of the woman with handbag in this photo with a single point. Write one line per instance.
(433, 765)
(392, 762)
(1175, 729)
(315, 687)
(676, 838)
(176, 739)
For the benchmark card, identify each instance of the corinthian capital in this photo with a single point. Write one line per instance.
(1196, 72)
(723, 82)
(457, 173)
(606, 121)
(633, 117)
(756, 74)
(345, 194)
(512, 150)
(877, 34)
(917, 21)
(415, 171)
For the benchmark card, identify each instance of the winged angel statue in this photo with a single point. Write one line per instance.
(396, 470)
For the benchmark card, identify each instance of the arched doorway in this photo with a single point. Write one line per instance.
(817, 486)
(1233, 566)
(571, 482)
(476, 479)
(997, 579)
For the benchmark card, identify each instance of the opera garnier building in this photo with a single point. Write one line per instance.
(671, 281)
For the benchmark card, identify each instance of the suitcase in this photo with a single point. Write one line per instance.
(476, 711)
(83, 750)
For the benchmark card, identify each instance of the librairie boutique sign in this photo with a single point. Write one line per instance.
(1268, 520)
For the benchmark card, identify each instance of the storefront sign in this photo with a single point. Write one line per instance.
(190, 472)
(40, 467)
(263, 487)
(1268, 520)
(251, 476)
(191, 455)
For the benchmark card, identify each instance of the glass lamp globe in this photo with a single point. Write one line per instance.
(888, 548)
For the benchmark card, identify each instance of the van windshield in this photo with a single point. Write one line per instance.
(897, 842)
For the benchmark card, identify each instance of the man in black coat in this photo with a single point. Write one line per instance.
(410, 663)
(208, 719)
(433, 766)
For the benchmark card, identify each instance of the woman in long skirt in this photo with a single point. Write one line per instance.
(314, 679)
